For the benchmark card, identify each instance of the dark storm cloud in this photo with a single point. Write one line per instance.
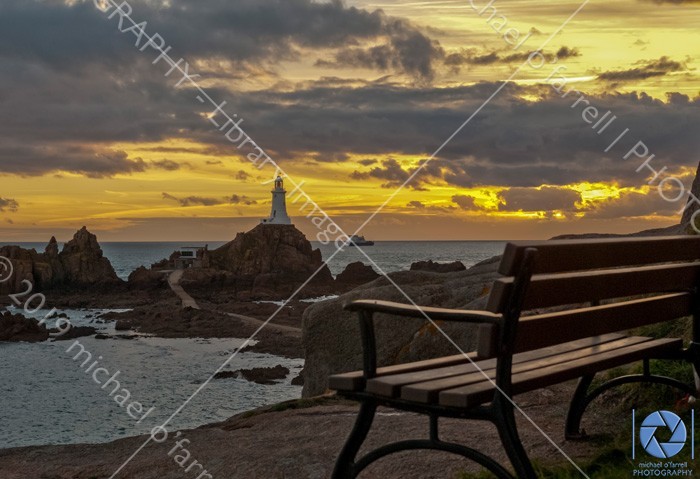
(8, 204)
(239, 30)
(646, 69)
(103, 95)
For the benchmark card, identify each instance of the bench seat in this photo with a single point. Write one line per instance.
(454, 381)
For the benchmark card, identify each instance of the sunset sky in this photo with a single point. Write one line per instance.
(350, 98)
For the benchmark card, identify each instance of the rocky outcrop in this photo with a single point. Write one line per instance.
(692, 206)
(355, 274)
(15, 328)
(80, 263)
(274, 258)
(331, 336)
(431, 265)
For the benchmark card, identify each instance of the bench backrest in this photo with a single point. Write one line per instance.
(658, 274)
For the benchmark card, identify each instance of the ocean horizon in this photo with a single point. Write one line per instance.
(126, 256)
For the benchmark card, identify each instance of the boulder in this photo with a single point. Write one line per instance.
(143, 278)
(331, 335)
(431, 265)
(355, 274)
(15, 328)
(264, 375)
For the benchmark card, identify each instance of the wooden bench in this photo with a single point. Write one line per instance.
(600, 289)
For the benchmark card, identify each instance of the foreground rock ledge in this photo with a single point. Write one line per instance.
(300, 440)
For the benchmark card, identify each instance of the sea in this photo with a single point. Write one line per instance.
(48, 397)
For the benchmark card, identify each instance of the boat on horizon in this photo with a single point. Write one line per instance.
(356, 240)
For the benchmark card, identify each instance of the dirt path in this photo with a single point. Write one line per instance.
(174, 282)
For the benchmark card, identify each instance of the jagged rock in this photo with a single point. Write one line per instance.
(331, 335)
(81, 263)
(356, 273)
(15, 328)
(275, 258)
(431, 265)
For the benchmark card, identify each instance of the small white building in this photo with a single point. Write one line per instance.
(278, 214)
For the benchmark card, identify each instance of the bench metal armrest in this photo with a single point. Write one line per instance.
(367, 308)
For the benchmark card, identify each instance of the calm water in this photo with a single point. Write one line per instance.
(48, 399)
(388, 255)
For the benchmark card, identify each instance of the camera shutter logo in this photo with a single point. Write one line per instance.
(662, 419)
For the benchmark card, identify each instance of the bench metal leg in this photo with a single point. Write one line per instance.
(581, 399)
(577, 407)
(508, 431)
(345, 464)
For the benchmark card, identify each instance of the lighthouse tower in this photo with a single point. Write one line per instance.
(278, 214)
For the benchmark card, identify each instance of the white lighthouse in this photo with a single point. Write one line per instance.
(278, 214)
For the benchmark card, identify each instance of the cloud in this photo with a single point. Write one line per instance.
(393, 173)
(193, 200)
(368, 162)
(474, 57)
(634, 205)
(205, 201)
(465, 202)
(647, 69)
(242, 175)
(8, 204)
(241, 199)
(547, 198)
(406, 50)
(675, 2)
(167, 165)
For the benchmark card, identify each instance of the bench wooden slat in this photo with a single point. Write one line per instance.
(427, 392)
(571, 288)
(390, 385)
(354, 380)
(541, 330)
(573, 255)
(481, 392)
